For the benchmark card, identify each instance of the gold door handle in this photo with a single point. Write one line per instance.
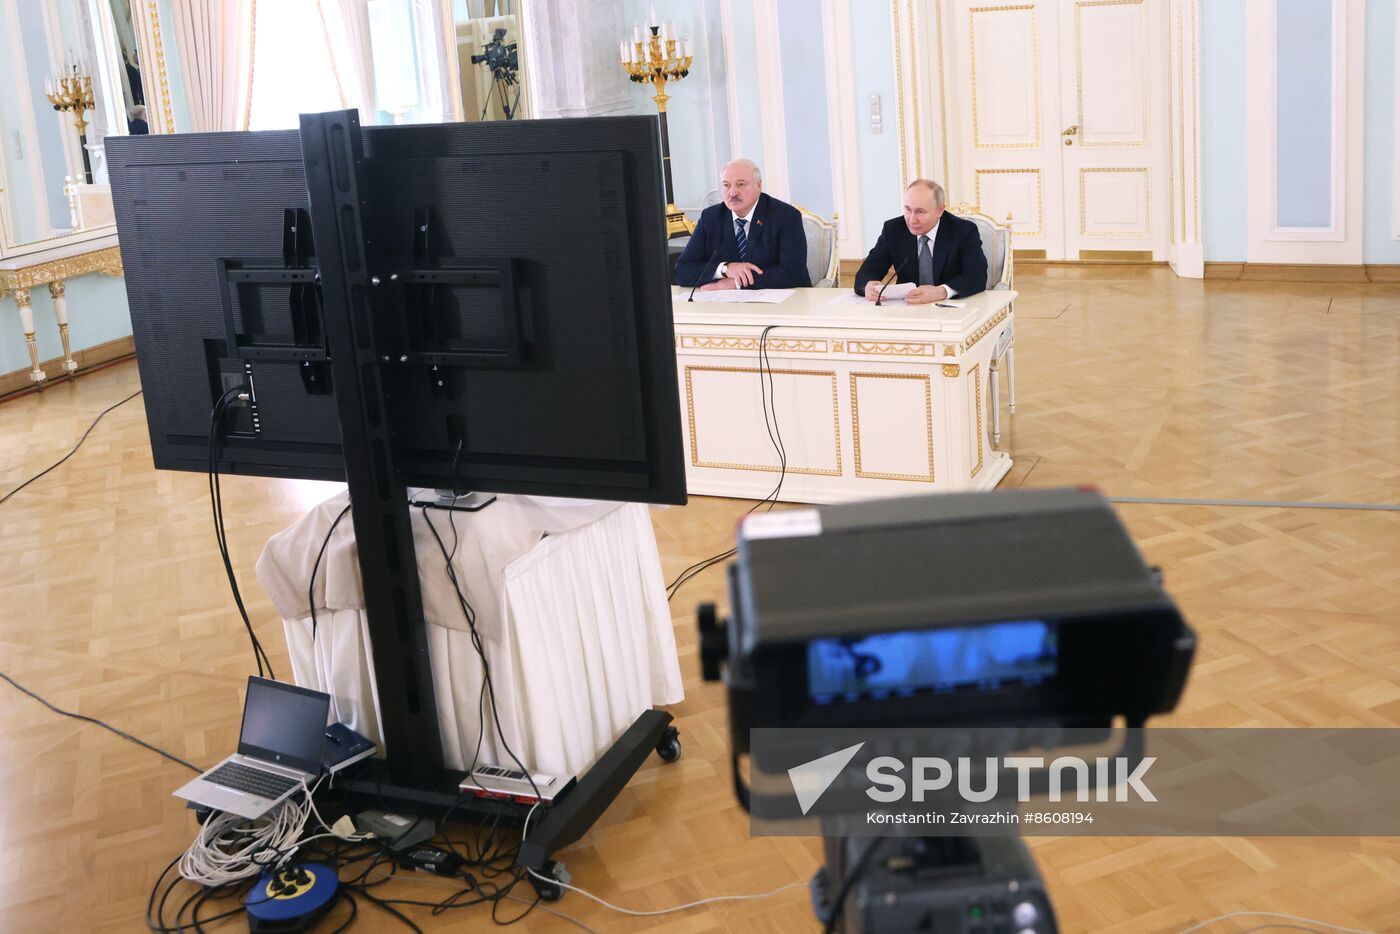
(1071, 131)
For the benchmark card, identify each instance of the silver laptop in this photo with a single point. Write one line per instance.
(279, 748)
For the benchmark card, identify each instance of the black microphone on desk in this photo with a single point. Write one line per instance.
(700, 278)
(897, 267)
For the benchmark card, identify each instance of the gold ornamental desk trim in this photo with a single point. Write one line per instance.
(107, 261)
(697, 461)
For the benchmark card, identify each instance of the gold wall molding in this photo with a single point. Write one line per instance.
(695, 460)
(928, 426)
(951, 370)
(1039, 230)
(942, 85)
(975, 376)
(1143, 234)
(1079, 75)
(1196, 134)
(904, 22)
(146, 22)
(986, 328)
(107, 261)
(899, 91)
(892, 348)
(1034, 72)
(914, 91)
(1180, 166)
(727, 342)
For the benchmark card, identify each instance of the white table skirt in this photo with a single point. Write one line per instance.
(580, 644)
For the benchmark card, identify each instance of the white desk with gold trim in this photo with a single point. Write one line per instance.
(869, 401)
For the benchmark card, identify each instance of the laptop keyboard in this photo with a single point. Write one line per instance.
(254, 781)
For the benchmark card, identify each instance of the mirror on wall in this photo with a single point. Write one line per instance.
(490, 59)
(120, 67)
(71, 74)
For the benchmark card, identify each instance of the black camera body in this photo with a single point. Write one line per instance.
(1028, 611)
(500, 57)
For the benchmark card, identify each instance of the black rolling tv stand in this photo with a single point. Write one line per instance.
(413, 777)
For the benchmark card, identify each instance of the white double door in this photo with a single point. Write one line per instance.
(1058, 117)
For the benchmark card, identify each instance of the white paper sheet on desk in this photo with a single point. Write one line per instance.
(892, 294)
(851, 298)
(758, 296)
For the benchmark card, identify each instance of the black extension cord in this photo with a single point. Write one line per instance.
(21, 688)
(775, 436)
(6, 498)
(216, 504)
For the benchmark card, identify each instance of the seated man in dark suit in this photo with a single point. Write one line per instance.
(939, 252)
(747, 241)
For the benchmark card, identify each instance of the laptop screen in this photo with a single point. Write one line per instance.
(283, 723)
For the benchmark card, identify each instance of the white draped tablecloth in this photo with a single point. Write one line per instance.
(570, 608)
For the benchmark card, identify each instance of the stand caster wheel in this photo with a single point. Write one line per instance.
(548, 888)
(669, 749)
(820, 891)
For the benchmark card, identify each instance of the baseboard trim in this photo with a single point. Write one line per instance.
(1089, 262)
(1297, 272)
(87, 359)
(1388, 272)
(1244, 272)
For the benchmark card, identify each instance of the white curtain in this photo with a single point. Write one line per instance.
(215, 55)
(350, 44)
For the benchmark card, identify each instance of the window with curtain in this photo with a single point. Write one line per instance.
(407, 68)
(295, 62)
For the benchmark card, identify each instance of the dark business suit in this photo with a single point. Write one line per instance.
(776, 244)
(958, 260)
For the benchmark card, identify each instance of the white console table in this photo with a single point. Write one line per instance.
(869, 401)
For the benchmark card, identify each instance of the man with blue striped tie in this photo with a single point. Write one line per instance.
(748, 241)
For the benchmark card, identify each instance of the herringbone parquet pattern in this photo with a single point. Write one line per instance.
(112, 603)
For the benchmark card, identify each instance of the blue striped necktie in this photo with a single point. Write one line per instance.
(743, 240)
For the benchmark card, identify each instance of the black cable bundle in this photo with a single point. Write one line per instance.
(487, 687)
(770, 421)
(217, 506)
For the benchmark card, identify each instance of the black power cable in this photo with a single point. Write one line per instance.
(470, 615)
(311, 587)
(838, 902)
(106, 726)
(24, 690)
(775, 436)
(216, 504)
(4, 499)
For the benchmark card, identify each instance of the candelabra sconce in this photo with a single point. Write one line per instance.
(655, 56)
(71, 91)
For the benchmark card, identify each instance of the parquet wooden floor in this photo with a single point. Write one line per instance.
(112, 603)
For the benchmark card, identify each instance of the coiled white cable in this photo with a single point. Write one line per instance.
(229, 847)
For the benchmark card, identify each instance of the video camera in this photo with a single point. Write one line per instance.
(1027, 613)
(502, 58)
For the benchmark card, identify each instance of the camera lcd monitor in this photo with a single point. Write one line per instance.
(522, 303)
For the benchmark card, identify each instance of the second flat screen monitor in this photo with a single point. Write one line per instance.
(582, 368)
(569, 388)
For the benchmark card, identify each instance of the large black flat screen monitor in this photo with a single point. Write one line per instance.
(523, 296)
